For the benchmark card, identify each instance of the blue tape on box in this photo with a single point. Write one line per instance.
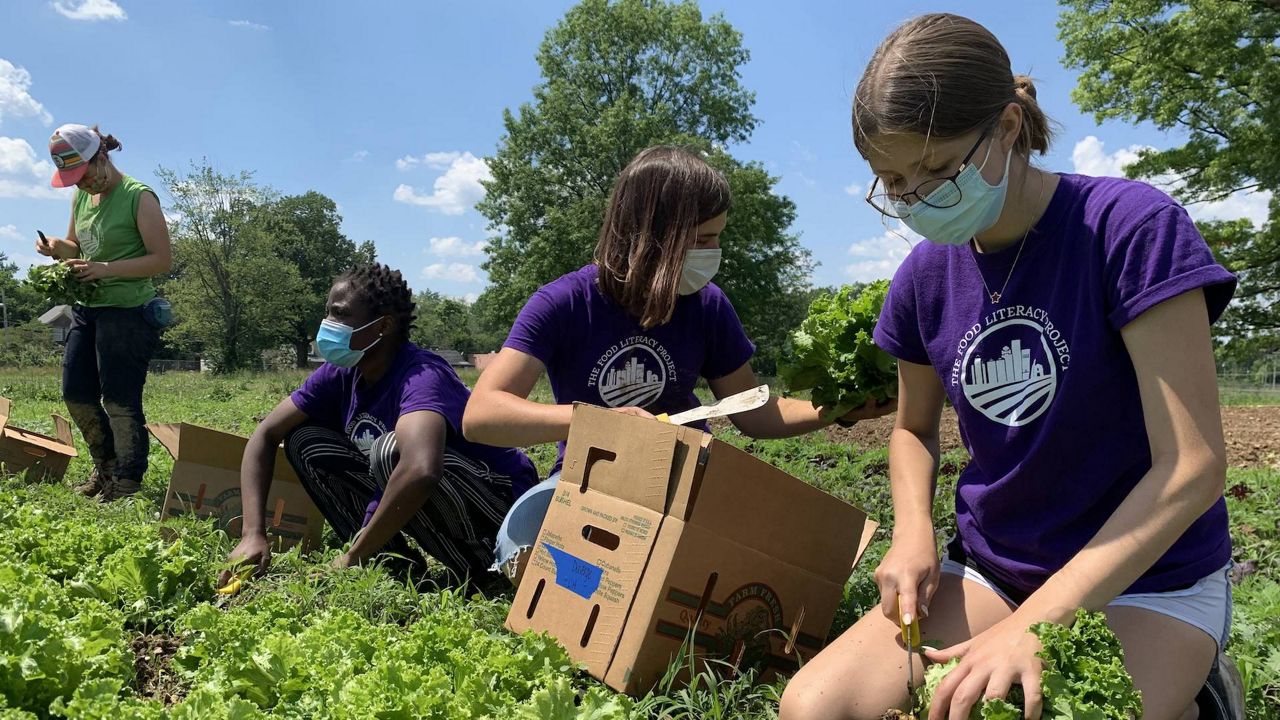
(575, 574)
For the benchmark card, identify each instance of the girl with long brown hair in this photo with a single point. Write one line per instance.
(634, 330)
(1066, 319)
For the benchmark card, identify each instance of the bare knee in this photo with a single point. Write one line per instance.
(805, 697)
(817, 693)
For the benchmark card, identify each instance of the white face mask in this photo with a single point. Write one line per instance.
(979, 207)
(700, 265)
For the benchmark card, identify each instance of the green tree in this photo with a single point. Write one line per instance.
(306, 231)
(1208, 69)
(234, 296)
(22, 303)
(449, 324)
(618, 77)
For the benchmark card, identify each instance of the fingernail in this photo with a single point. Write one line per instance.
(924, 610)
(906, 618)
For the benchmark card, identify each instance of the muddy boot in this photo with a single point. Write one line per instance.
(119, 488)
(97, 482)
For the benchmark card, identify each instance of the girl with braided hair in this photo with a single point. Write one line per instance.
(375, 436)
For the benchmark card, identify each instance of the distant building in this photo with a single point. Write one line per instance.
(58, 318)
(454, 358)
(483, 360)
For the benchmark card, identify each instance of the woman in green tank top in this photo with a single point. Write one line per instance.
(117, 240)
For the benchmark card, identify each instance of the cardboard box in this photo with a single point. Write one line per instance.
(42, 457)
(655, 529)
(206, 481)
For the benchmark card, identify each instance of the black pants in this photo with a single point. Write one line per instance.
(104, 368)
(456, 525)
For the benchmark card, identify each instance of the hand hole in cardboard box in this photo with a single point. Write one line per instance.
(601, 537)
(537, 595)
(595, 455)
(591, 625)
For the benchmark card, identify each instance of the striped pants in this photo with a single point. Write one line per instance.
(456, 525)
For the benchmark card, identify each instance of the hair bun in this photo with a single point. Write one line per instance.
(1024, 83)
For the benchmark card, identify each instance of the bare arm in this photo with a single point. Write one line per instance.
(780, 417)
(500, 413)
(155, 237)
(910, 569)
(256, 467)
(259, 461)
(420, 441)
(61, 248)
(1188, 461)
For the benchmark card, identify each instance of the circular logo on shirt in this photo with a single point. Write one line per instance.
(1010, 371)
(89, 241)
(634, 372)
(364, 429)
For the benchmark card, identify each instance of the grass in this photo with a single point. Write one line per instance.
(301, 593)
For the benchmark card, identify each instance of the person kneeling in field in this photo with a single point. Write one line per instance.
(1066, 318)
(382, 418)
(634, 331)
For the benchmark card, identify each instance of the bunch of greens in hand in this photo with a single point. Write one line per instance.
(833, 355)
(58, 284)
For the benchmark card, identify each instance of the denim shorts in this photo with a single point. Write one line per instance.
(519, 529)
(1205, 604)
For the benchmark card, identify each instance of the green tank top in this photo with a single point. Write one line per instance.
(109, 232)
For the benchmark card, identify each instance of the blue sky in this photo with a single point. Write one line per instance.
(389, 108)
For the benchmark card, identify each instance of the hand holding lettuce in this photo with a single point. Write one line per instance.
(58, 284)
(1084, 676)
(834, 357)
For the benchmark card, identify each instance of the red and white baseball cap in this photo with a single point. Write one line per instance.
(72, 147)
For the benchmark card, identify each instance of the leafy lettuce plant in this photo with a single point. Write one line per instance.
(1083, 678)
(833, 354)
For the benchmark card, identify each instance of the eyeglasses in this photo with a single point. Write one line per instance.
(887, 203)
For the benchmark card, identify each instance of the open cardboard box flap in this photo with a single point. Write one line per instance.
(206, 482)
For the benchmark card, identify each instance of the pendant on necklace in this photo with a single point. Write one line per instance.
(995, 298)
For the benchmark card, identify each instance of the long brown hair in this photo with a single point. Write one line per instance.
(943, 75)
(658, 201)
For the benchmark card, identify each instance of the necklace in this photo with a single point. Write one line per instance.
(996, 296)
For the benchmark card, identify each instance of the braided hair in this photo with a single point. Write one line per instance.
(385, 292)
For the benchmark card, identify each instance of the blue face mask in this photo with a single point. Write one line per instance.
(978, 209)
(333, 341)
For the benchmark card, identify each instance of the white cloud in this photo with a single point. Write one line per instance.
(437, 160)
(248, 25)
(17, 248)
(22, 175)
(854, 190)
(1091, 158)
(454, 192)
(455, 246)
(15, 97)
(359, 155)
(470, 298)
(454, 272)
(879, 257)
(91, 10)
(1254, 206)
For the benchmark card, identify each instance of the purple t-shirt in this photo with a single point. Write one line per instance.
(1042, 383)
(418, 379)
(596, 353)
